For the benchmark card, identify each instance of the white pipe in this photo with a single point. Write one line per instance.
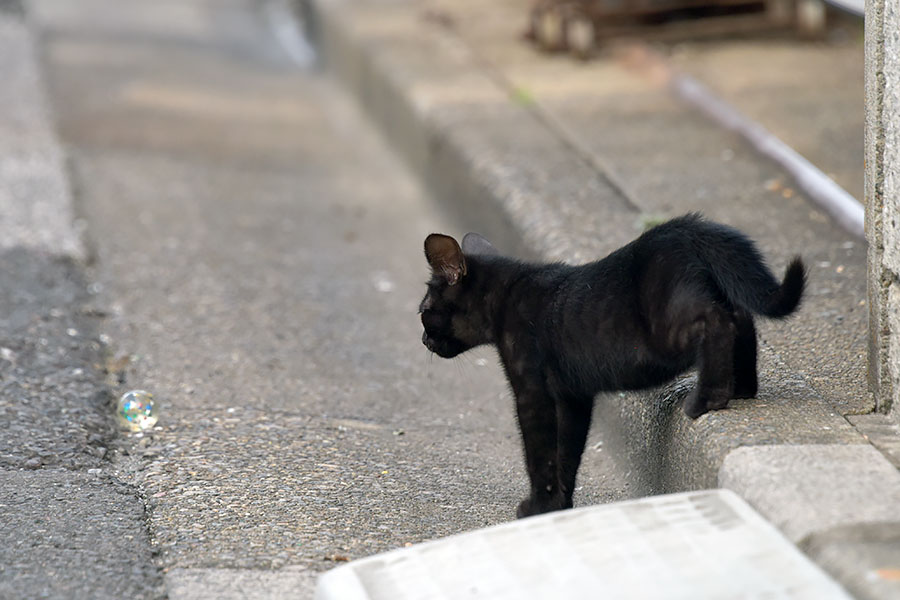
(855, 7)
(834, 199)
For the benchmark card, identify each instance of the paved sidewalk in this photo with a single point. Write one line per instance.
(809, 93)
(665, 158)
(568, 160)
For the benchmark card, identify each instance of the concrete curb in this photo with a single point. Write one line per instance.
(475, 149)
(250, 584)
(36, 209)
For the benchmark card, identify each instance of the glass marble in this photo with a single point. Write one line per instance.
(135, 410)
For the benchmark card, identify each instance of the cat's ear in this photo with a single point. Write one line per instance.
(445, 257)
(475, 243)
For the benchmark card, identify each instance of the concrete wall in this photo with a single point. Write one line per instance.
(882, 149)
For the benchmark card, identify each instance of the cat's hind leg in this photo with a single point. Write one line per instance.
(745, 378)
(715, 385)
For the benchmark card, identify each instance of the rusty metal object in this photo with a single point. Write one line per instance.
(580, 26)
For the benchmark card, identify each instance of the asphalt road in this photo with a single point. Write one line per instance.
(68, 529)
(257, 253)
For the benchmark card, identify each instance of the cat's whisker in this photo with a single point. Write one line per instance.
(470, 364)
(462, 365)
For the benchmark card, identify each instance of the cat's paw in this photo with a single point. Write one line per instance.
(527, 508)
(745, 390)
(717, 403)
(533, 506)
(695, 405)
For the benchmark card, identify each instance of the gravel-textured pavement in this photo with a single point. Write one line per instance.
(68, 528)
(60, 508)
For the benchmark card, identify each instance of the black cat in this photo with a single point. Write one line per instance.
(680, 295)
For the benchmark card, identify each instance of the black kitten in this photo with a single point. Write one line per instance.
(680, 295)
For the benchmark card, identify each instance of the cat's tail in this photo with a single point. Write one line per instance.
(756, 289)
(786, 298)
(739, 270)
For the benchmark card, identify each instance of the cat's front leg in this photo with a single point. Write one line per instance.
(537, 422)
(573, 416)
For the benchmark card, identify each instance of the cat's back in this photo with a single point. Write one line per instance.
(671, 238)
(676, 232)
(687, 238)
(690, 230)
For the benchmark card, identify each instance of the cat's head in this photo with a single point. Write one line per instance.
(454, 312)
